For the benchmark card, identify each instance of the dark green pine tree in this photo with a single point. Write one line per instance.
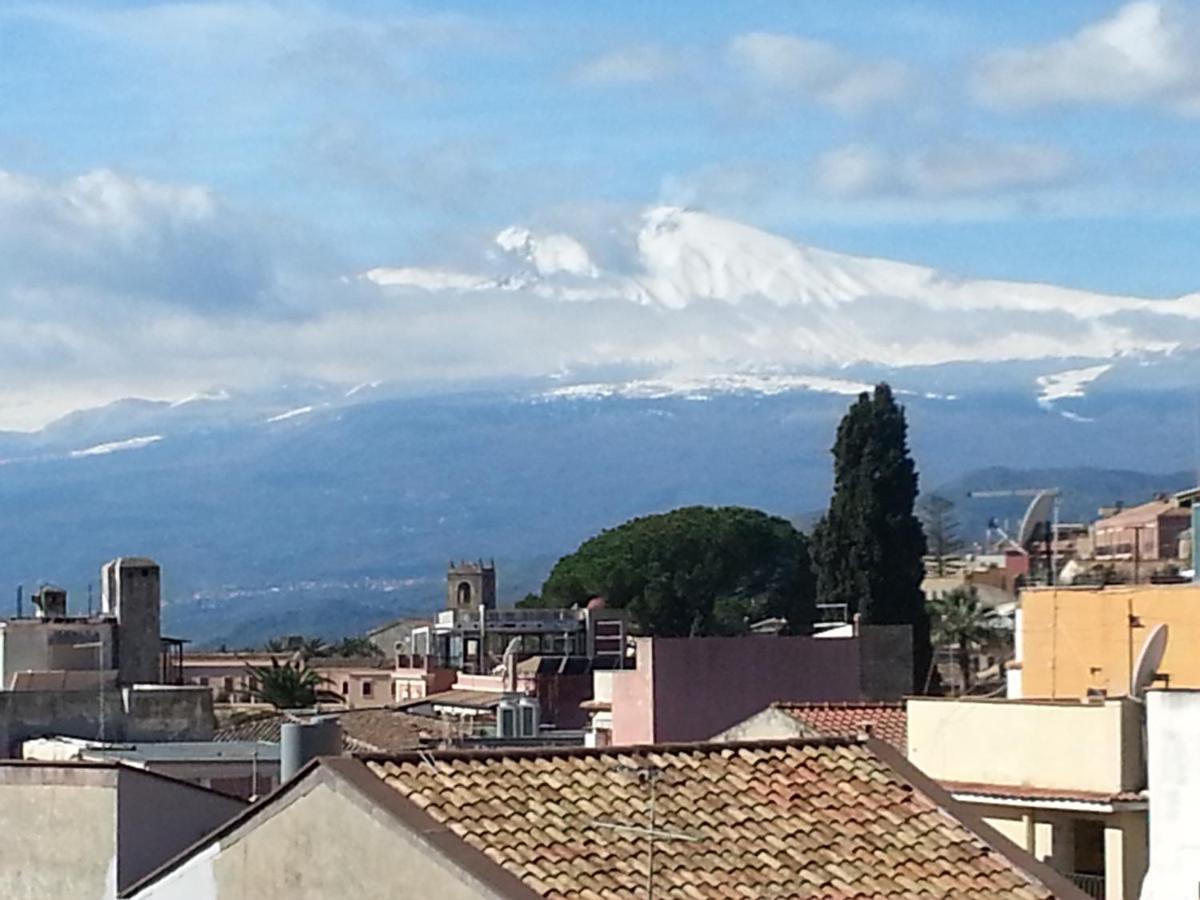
(868, 549)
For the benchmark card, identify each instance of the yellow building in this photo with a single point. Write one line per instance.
(1074, 640)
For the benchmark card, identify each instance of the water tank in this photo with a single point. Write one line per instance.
(302, 742)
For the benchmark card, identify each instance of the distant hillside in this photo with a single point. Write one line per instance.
(1084, 491)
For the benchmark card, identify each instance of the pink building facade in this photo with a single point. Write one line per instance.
(689, 689)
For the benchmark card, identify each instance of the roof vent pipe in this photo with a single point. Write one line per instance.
(302, 742)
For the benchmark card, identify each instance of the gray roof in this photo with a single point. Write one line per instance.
(186, 751)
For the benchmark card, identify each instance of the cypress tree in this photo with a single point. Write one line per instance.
(868, 548)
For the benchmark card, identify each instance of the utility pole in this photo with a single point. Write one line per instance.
(1137, 552)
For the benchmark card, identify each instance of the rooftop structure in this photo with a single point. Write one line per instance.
(817, 818)
(686, 689)
(1147, 533)
(1074, 641)
(382, 730)
(887, 721)
(474, 640)
(1064, 779)
(83, 830)
(242, 769)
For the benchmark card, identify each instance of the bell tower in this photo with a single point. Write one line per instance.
(470, 584)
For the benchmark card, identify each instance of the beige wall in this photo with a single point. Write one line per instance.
(1076, 639)
(328, 842)
(59, 840)
(1066, 744)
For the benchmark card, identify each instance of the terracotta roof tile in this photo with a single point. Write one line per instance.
(376, 730)
(888, 721)
(808, 818)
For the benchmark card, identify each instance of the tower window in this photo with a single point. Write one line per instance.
(464, 594)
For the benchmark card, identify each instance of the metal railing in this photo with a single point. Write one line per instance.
(1092, 885)
(832, 614)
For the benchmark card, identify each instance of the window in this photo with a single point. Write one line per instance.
(367, 688)
(527, 729)
(508, 722)
(203, 679)
(345, 689)
(464, 594)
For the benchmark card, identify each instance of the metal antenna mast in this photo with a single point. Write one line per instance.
(649, 775)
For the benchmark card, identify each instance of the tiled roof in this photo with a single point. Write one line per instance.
(887, 721)
(379, 730)
(802, 819)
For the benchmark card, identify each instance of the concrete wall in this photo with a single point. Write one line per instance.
(1173, 738)
(157, 818)
(1073, 639)
(769, 725)
(1066, 745)
(32, 645)
(60, 837)
(326, 842)
(153, 714)
(688, 689)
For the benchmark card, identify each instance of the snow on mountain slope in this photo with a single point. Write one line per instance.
(135, 443)
(797, 307)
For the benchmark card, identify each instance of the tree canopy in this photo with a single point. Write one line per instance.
(693, 571)
(868, 549)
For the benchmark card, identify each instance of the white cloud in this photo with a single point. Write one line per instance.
(952, 169)
(818, 71)
(65, 243)
(629, 65)
(1144, 53)
(853, 169)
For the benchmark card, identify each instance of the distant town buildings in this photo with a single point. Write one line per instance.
(109, 675)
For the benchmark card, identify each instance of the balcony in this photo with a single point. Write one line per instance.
(1092, 885)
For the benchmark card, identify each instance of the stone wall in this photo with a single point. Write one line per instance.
(133, 714)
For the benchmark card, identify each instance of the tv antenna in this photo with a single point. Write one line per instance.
(649, 775)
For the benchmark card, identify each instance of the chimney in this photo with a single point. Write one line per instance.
(302, 742)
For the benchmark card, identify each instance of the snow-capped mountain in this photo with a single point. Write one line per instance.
(688, 359)
(730, 296)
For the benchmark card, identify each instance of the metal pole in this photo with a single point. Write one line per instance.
(650, 862)
(100, 678)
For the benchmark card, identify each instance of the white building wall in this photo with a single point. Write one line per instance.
(1173, 740)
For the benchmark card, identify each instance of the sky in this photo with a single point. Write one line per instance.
(188, 190)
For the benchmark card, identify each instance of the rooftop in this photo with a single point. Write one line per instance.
(174, 751)
(886, 721)
(376, 730)
(1136, 514)
(807, 818)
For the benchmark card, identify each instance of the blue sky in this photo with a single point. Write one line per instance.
(383, 127)
(1022, 140)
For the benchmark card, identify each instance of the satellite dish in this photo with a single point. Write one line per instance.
(1149, 659)
(1040, 510)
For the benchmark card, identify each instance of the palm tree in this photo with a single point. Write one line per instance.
(290, 685)
(959, 624)
(303, 647)
(356, 647)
